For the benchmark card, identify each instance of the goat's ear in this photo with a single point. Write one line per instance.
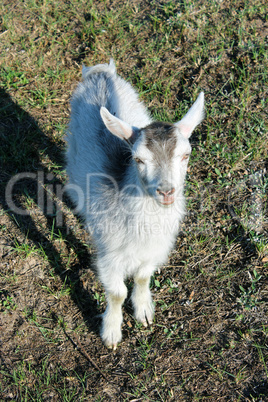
(116, 126)
(193, 117)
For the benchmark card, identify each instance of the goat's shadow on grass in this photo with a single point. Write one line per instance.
(22, 143)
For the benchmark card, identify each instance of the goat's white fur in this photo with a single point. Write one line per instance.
(132, 214)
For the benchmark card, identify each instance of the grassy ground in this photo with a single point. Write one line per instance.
(209, 338)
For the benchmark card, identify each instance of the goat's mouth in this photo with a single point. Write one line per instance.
(167, 201)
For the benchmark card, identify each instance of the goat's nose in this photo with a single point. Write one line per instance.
(166, 193)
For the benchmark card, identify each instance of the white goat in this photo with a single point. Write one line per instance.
(126, 176)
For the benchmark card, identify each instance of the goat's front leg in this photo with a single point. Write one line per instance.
(142, 300)
(112, 318)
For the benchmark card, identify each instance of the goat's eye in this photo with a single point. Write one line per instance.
(138, 160)
(185, 157)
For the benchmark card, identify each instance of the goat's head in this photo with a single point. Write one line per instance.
(160, 150)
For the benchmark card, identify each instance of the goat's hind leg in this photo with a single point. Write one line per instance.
(112, 318)
(142, 300)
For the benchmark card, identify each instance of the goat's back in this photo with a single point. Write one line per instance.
(91, 147)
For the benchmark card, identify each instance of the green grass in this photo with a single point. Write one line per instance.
(209, 336)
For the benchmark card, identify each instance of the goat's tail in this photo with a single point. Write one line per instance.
(99, 68)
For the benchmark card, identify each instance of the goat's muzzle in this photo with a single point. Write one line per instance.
(166, 197)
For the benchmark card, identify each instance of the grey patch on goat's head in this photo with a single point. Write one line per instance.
(161, 140)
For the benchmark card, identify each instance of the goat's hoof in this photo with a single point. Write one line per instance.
(145, 315)
(111, 340)
(112, 347)
(111, 333)
(147, 323)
